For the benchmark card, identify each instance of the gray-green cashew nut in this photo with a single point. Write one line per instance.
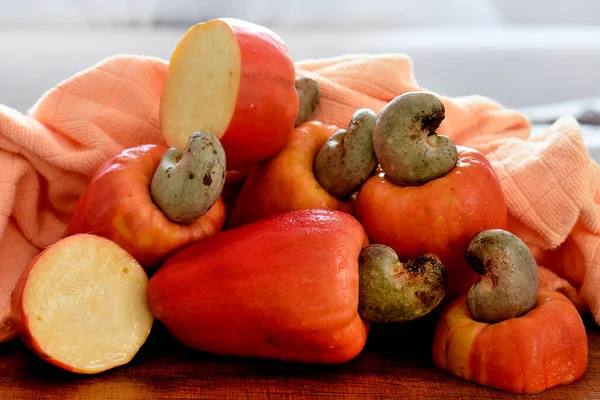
(187, 184)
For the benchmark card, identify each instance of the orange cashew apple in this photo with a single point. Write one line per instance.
(152, 201)
(505, 333)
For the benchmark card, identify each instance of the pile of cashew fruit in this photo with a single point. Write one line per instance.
(264, 232)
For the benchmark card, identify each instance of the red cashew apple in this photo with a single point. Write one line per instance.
(235, 80)
(431, 195)
(284, 287)
(119, 203)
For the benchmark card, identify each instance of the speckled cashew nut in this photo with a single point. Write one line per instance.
(408, 149)
(309, 96)
(347, 159)
(395, 291)
(187, 184)
(508, 286)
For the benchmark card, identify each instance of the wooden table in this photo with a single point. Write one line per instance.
(396, 363)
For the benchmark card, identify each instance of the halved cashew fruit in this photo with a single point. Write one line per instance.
(347, 159)
(82, 305)
(508, 286)
(187, 184)
(408, 148)
(308, 98)
(394, 291)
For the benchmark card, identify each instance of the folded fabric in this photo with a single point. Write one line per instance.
(48, 156)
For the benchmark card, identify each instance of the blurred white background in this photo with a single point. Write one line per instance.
(521, 53)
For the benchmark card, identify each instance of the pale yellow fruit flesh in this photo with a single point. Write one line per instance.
(202, 83)
(85, 304)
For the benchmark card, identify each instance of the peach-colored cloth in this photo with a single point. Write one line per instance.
(48, 156)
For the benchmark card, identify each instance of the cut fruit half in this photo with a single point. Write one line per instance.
(202, 84)
(82, 306)
(233, 79)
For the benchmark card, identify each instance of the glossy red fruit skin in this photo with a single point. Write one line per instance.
(284, 287)
(439, 217)
(267, 102)
(117, 205)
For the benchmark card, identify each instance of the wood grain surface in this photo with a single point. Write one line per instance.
(396, 363)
